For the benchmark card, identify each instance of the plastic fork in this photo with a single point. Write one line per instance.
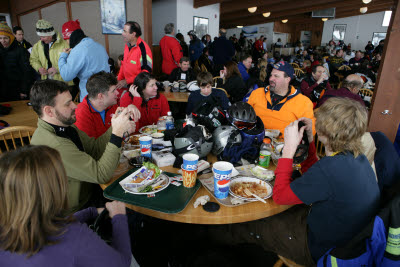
(249, 193)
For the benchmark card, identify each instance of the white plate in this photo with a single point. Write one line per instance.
(151, 192)
(253, 180)
(154, 127)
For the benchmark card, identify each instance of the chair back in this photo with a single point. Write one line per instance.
(366, 92)
(16, 135)
(344, 67)
(222, 89)
(298, 72)
(295, 65)
(215, 80)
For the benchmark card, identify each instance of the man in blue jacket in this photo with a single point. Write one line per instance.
(195, 47)
(244, 65)
(222, 49)
(84, 58)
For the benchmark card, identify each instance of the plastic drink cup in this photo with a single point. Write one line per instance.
(222, 178)
(190, 161)
(189, 177)
(145, 146)
(265, 157)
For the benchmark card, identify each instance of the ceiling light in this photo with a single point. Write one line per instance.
(364, 9)
(267, 14)
(252, 9)
(366, 1)
(239, 27)
(324, 19)
(284, 20)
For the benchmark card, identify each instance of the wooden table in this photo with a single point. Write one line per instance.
(225, 215)
(176, 96)
(21, 114)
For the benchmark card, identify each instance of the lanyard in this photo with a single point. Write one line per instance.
(335, 153)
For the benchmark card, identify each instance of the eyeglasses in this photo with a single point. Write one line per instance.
(243, 125)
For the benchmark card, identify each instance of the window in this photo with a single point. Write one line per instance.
(386, 18)
(377, 37)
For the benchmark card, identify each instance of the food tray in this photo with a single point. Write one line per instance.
(173, 199)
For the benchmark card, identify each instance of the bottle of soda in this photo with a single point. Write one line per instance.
(161, 125)
(169, 123)
(265, 153)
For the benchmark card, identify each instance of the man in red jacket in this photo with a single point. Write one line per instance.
(137, 55)
(171, 49)
(94, 113)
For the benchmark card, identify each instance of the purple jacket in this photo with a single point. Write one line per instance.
(80, 246)
(342, 92)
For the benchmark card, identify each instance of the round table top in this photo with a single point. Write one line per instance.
(21, 114)
(225, 215)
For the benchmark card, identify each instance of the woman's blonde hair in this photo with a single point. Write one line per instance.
(33, 199)
(343, 122)
(262, 65)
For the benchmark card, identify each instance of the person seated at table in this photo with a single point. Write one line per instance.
(35, 228)
(232, 82)
(184, 73)
(315, 84)
(206, 96)
(244, 65)
(94, 113)
(341, 189)
(350, 88)
(204, 60)
(258, 74)
(356, 61)
(144, 95)
(280, 103)
(336, 61)
(87, 160)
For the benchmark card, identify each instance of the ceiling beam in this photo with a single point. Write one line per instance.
(288, 10)
(301, 18)
(200, 3)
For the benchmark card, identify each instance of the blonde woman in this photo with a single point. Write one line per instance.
(34, 227)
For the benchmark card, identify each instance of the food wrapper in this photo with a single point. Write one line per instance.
(201, 201)
(141, 178)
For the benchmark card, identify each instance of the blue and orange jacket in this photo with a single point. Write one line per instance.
(291, 108)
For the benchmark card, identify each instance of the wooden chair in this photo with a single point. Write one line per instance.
(222, 89)
(16, 134)
(366, 92)
(284, 261)
(77, 99)
(344, 67)
(298, 72)
(319, 147)
(196, 67)
(215, 80)
(295, 65)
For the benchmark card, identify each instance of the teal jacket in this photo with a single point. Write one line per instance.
(95, 165)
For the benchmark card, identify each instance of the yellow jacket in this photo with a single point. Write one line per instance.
(38, 59)
(291, 108)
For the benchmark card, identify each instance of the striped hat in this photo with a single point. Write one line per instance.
(44, 28)
(5, 30)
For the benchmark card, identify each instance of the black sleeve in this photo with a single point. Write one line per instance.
(172, 76)
(24, 65)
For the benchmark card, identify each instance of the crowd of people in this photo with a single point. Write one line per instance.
(42, 214)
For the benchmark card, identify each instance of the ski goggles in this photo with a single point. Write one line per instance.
(243, 125)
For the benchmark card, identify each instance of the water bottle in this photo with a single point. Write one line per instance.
(265, 153)
(169, 124)
(161, 125)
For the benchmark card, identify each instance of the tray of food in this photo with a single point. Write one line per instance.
(256, 186)
(146, 180)
(148, 130)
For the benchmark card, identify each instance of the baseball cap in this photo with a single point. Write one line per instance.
(285, 67)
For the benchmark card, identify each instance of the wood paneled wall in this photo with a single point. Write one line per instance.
(316, 26)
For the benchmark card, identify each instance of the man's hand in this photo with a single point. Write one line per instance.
(293, 138)
(67, 50)
(120, 122)
(135, 112)
(133, 91)
(23, 96)
(115, 208)
(42, 71)
(52, 71)
(121, 83)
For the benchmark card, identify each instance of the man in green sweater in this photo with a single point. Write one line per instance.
(86, 160)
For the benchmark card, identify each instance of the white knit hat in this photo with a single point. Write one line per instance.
(44, 28)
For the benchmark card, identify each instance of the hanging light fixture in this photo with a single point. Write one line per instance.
(252, 9)
(267, 14)
(366, 1)
(364, 9)
(284, 20)
(239, 27)
(324, 19)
